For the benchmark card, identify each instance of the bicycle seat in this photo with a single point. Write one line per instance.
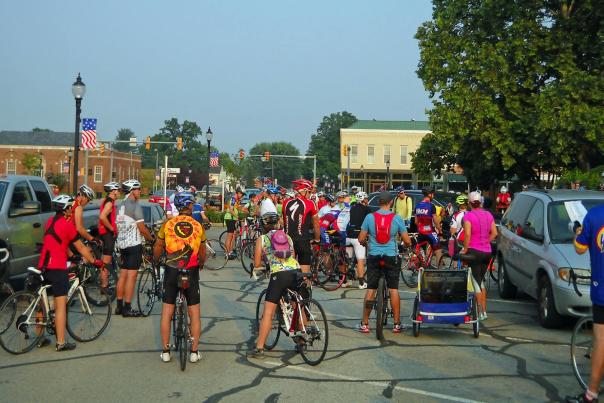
(464, 257)
(34, 270)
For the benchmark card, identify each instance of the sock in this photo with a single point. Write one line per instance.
(590, 395)
(166, 348)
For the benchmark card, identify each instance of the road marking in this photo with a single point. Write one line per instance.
(373, 383)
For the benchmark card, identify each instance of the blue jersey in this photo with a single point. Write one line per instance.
(592, 237)
(386, 249)
(424, 212)
(197, 210)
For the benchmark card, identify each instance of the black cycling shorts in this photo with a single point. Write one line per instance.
(479, 264)
(108, 243)
(131, 258)
(59, 281)
(391, 272)
(171, 286)
(598, 314)
(279, 282)
(303, 252)
(231, 226)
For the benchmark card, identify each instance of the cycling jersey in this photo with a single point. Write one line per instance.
(457, 223)
(197, 213)
(424, 212)
(235, 202)
(267, 206)
(503, 201)
(58, 235)
(276, 264)
(130, 213)
(297, 214)
(358, 212)
(592, 237)
(111, 217)
(183, 236)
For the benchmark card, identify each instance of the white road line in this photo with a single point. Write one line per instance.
(374, 383)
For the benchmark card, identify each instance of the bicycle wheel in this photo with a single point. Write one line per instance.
(380, 309)
(92, 286)
(329, 275)
(410, 271)
(415, 313)
(85, 321)
(314, 347)
(580, 350)
(146, 291)
(445, 262)
(216, 259)
(273, 336)
(5, 291)
(183, 331)
(476, 324)
(22, 322)
(222, 238)
(247, 257)
(492, 270)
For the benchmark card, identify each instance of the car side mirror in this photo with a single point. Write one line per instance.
(27, 208)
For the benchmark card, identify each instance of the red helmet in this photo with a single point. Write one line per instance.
(301, 184)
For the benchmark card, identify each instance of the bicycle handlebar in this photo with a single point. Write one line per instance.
(6, 256)
(572, 276)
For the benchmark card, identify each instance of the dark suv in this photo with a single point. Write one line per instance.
(535, 253)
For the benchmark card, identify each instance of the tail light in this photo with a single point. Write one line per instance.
(466, 319)
(420, 318)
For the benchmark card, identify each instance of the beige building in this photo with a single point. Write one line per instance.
(379, 153)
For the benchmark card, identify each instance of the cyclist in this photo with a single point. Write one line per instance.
(85, 195)
(230, 218)
(59, 234)
(268, 203)
(198, 211)
(358, 212)
(330, 205)
(383, 225)
(479, 231)
(590, 236)
(428, 222)
(108, 227)
(403, 205)
(299, 216)
(322, 201)
(353, 194)
(503, 200)
(183, 239)
(456, 226)
(283, 276)
(130, 231)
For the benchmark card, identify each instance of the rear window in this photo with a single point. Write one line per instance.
(42, 194)
(3, 186)
(560, 225)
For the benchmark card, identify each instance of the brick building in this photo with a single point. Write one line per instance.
(53, 151)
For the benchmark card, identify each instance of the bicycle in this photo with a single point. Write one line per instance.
(216, 257)
(412, 259)
(150, 288)
(180, 319)
(5, 288)
(327, 269)
(93, 283)
(301, 318)
(582, 338)
(381, 304)
(26, 314)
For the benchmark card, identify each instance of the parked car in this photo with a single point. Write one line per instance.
(158, 197)
(535, 253)
(250, 194)
(215, 193)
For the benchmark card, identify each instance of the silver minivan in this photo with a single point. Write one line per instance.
(535, 253)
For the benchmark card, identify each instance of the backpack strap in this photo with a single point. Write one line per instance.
(51, 229)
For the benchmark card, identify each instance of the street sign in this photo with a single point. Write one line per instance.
(132, 141)
(171, 170)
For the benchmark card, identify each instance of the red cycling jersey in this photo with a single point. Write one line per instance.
(58, 234)
(102, 229)
(297, 217)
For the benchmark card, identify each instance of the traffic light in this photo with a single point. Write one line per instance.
(148, 143)
(345, 149)
(102, 147)
(179, 143)
(241, 154)
(267, 155)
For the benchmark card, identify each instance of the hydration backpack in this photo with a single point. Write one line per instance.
(280, 245)
(383, 223)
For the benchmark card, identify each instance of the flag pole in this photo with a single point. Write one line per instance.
(86, 167)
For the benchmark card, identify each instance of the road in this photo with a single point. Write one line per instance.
(514, 359)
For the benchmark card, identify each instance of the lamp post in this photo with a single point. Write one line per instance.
(69, 155)
(209, 136)
(388, 175)
(78, 89)
(363, 176)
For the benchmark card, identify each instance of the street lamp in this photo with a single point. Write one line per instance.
(388, 175)
(363, 177)
(209, 136)
(78, 89)
(69, 155)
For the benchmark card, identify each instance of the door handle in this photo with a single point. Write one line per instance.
(36, 225)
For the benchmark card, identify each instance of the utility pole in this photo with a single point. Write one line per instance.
(348, 169)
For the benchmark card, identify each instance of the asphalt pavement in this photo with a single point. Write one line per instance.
(514, 359)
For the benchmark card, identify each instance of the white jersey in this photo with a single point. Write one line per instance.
(344, 216)
(267, 206)
(129, 214)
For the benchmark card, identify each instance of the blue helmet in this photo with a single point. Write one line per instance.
(183, 199)
(272, 190)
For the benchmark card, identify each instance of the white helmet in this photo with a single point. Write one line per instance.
(130, 185)
(361, 196)
(342, 193)
(504, 189)
(62, 202)
(111, 186)
(86, 191)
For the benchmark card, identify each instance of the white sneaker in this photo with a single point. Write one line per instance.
(195, 357)
(483, 316)
(346, 284)
(363, 286)
(165, 357)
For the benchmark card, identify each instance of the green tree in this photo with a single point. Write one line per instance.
(431, 157)
(325, 144)
(37, 130)
(56, 179)
(123, 134)
(32, 163)
(285, 169)
(517, 87)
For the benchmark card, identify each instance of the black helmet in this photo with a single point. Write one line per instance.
(427, 190)
(330, 198)
(270, 218)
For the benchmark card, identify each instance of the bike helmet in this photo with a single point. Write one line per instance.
(111, 186)
(183, 199)
(290, 195)
(427, 190)
(361, 196)
(130, 185)
(330, 198)
(301, 184)
(179, 189)
(192, 189)
(240, 190)
(320, 194)
(342, 193)
(273, 190)
(270, 218)
(504, 189)
(462, 199)
(62, 202)
(354, 189)
(86, 191)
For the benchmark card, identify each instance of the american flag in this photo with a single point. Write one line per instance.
(213, 159)
(88, 134)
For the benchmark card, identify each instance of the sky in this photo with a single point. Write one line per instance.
(255, 71)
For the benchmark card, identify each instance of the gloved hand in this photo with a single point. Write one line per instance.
(98, 263)
(98, 242)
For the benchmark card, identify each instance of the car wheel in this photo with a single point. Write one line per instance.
(507, 290)
(548, 316)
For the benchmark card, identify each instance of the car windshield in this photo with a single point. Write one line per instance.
(560, 225)
(3, 186)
